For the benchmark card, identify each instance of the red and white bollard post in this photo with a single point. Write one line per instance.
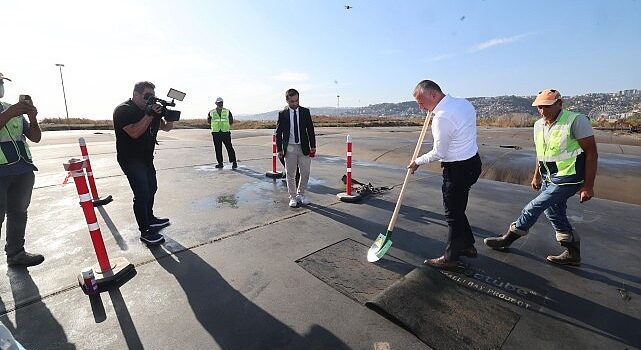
(92, 183)
(107, 271)
(347, 196)
(273, 173)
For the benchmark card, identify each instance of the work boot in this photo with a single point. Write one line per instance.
(504, 241)
(219, 166)
(572, 253)
(25, 259)
(234, 165)
(570, 256)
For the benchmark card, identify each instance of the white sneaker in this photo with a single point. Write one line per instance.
(302, 199)
(293, 203)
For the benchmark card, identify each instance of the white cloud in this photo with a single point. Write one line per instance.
(440, 57)
(291, 77)
(497, 42)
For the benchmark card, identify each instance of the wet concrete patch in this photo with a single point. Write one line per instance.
(344, 267)
(227, 199)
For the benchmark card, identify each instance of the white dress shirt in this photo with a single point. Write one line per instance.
(292, 139)
(454, 131)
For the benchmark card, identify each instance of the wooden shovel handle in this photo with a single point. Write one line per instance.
(392, 222)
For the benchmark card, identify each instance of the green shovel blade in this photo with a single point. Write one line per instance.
(381, 245)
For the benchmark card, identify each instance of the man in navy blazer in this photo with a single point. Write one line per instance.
(296, 143)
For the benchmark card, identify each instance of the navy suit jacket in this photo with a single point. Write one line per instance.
(305, 125)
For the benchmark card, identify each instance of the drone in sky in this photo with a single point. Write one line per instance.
(347, 7)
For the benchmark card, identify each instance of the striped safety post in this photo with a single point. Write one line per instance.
(348, 183)
(107, 270)
(96, 201)
(273, 173)
(348, 196)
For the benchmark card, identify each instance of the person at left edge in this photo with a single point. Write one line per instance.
(16, 174)
(136, 125)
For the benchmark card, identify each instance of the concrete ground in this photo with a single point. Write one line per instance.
(227, 277)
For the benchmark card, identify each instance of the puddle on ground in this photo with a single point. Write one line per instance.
(261, 193)
(228, 199)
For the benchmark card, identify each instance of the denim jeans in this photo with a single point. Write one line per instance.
(15, 196)
(142, 179)
(458, 178)
(552, 200)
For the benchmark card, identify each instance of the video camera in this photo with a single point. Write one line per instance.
(170, 115)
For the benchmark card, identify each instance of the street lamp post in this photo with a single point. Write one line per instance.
(60, 65)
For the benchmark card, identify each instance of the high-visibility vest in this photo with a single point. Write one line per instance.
(13, 143)
(561, 158)
(219, 122)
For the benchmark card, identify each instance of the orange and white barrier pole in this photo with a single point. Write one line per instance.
(274, 174)
(347, 196)
(77, 171)
(107, 270)
(348, 183)
(96, 201)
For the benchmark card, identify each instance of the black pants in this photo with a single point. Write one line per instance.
(142, 179)
(458, 178)
(15, 196)
(219, 139)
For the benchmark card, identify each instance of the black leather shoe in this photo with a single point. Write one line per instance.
(25, 259)
(442, 263)
(469, 252)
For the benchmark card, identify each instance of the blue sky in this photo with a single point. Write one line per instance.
(250, 52)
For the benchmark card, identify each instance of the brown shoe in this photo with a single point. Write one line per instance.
(469, 252)
(442, 263)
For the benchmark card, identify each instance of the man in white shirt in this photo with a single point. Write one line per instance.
(454, 132)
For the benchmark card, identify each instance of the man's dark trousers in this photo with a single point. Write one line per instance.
(458, 178)
(142, 179)
(15, 196)
(219, 139)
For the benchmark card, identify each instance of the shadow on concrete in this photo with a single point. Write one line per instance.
(410, 242)
(114, 230)
(609, 323)
(35, 326)
(124, 320)
(582, 272)
(97, 308)
(575, 309)
(233, 320)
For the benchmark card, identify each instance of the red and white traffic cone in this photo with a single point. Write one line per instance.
(92, 183)
(274, 174)
(107, 271)
(348, 196)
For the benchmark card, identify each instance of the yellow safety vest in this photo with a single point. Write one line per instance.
(559, 156)
(13, 143)
(220, 122)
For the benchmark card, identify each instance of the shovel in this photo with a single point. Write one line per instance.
(384, 240)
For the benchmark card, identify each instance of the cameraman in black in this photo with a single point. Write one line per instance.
(136, 123)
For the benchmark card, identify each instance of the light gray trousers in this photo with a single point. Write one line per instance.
(295, 158)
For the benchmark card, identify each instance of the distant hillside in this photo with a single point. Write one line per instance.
(620, 104)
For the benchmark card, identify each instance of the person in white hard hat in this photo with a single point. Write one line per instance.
(221, 120)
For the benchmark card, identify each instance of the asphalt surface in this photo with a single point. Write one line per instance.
(228, 277)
